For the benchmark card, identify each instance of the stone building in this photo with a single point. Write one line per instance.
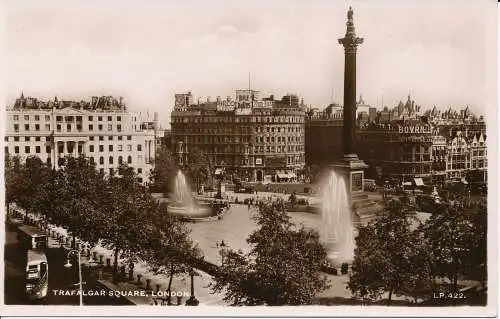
(102, 129)
(250, 138)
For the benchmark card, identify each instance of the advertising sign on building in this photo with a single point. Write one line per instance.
(258, 161)
(276, 161)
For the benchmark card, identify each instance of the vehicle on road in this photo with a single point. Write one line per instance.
(37, 275)
(31, 237)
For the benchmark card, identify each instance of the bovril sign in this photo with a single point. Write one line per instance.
(414, 129)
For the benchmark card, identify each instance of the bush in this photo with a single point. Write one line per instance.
(344, 268)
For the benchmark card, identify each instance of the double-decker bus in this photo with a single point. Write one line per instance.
(31, 237)
(37, 275)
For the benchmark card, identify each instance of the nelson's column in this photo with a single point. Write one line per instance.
(350, 166)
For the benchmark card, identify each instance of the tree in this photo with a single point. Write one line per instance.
(282, 268)
(32, 176)
(198, 168)
(390, 257)
(171, 250)
(79, 198)
(164, 172)
(13, 179)
(453, 240)
(122, 221)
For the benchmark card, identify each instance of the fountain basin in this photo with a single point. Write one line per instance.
(195, 210)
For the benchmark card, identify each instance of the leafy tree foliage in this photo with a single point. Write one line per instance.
(198, 168)
(171, 249)
(164, 172)
(457, 240)
(390, 257)
(13, 179)
(282, 268)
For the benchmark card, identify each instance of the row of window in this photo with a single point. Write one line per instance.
(111, 148)
(48, 138)
(69, 127)
(237, 119)
(68, 118)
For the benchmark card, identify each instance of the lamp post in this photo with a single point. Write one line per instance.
(192, 301)
(68, 264)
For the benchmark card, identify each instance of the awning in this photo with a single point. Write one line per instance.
(282, 175)
(419, 182)
(464, 181)
(407, 184)
(218, 171)
(291, 175)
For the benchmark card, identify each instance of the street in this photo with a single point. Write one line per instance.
(60, 278)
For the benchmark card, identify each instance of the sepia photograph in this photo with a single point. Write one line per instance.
(329, 157)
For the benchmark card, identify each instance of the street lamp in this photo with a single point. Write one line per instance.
(192, 301)
(69, 265)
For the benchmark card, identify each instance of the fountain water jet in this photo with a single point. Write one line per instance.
(183, 203)
(338, 230)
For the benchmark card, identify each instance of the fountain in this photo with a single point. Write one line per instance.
(337, 231)
(183, 204)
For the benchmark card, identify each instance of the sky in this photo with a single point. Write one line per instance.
(146, 51)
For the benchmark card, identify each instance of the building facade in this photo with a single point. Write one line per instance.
(403, 142)
(102, 129)
(252, 138)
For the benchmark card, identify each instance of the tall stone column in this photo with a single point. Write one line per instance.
(350, 167)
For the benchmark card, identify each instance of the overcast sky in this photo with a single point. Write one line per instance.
(147, 52)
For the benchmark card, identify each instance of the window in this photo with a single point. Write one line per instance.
(49, 161)
(99, 127)
(79, 127)
(37, 117)
(91, 118)
(16, 117)
(37, 149)
(101, 148)
(119, 127)
(111, 160)
(37, 138)
(91, 159)
(91, 148)
(139, 171)
(119, 118)
(139, 147)
(47, 127)
(58, 118)
(110, 137)
(16, 138)
(68, 127)
(129, 159)
(59, 127)
(47, 149)
(6, 138)
(6, 149)
(26, 127)
(99, 118)
(111, 148)
(91, 127)
(139, 180)
(26, 117)
(101, 160)
(120, 148)
(111, 171)
(47, 117)
(120, 137)
(16, 127)
(91, 138)
(37, 127)
(16, 149)
(110, 127)
(27, 149)
(101, 138)
(129, 138)
(101, 171)
(110, 118)
(120, 160)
